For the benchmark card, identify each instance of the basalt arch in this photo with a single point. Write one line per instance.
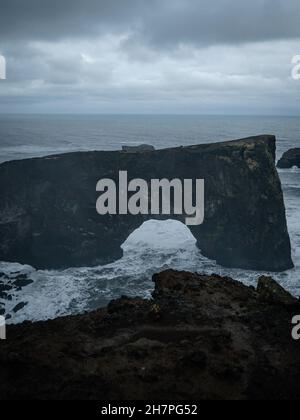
(48, 215)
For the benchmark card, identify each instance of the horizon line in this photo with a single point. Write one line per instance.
(145, 114)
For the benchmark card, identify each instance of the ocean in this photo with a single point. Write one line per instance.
(156, 245)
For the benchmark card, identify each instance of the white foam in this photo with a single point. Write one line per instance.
(10, 268)
(155, 246)
(160, 235)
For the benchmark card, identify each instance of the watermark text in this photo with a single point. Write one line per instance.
(155, 197)
(2, 328)
(296, 67)
(2, 67)
(296, 329)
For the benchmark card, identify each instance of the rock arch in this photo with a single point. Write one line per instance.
(48, 217)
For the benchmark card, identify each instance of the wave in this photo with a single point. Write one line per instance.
(156, 246)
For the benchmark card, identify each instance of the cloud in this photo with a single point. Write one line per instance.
(37, 20)
(222, 21)
(157, 21)
(150, 56)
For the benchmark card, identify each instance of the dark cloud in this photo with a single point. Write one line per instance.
(149, 55)
(223, 21)
(55, 19)
(161, 22)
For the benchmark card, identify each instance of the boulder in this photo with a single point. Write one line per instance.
(270, 291)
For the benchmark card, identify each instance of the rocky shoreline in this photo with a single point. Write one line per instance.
(200, 337)
(9, 284)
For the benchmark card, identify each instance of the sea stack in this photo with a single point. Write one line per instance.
(290, 159)
(48, 216)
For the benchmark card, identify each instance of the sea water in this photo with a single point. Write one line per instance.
(156, 245)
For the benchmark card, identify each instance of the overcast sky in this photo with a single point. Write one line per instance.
(150, 56)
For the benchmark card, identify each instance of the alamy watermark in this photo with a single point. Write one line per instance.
(157, 197)
(296, 329)
(2, 328)
(296, 67)
(2, 67)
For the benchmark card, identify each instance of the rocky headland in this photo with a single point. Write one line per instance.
(48, 216)
(290, 159)
(200, 337)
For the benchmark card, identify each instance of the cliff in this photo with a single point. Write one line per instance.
(48, 215)
(199, 338)
(290, 159)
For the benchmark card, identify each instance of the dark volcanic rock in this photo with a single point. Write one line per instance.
(5, 289)
(141, 148)
(48, 205)
(200, 338)
(22, 281)
(290, 159)
(19, 307)
(8, 286)
(269, 290)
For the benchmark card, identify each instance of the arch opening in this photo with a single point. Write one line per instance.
(159, 236)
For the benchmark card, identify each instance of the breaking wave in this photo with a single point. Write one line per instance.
(155, 246)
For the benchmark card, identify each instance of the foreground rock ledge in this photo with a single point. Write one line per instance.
(48, 215)
(200, 337)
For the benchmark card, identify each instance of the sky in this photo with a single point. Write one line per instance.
(150, 56)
